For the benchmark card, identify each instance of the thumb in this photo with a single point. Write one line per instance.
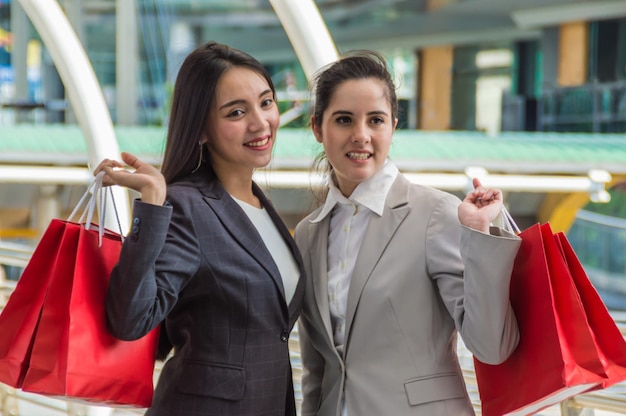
(131, 160)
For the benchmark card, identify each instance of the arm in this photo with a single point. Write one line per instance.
(472, 270)
(155, 265)
(157, 259)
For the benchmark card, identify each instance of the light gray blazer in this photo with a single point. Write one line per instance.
(420, 277)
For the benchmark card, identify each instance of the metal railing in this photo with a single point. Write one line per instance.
(595, 107)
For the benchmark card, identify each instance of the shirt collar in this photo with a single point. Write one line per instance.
(371, 193)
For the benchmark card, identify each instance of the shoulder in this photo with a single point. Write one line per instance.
(422, 195)
(310, 217)
(184, 195)
(302, 228)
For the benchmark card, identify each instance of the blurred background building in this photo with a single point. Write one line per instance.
(530, 95)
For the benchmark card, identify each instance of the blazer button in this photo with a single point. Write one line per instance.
(284, 335)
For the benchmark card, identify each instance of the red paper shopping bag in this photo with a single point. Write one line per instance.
(20, 316)
(556, 357)
(73, 354)
(608, 338)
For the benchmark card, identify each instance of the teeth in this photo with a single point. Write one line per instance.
(358, 156)
(258, 143)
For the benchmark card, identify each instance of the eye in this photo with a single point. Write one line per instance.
(343, 120)
(267, 102)
(377, 120)
(235, 113)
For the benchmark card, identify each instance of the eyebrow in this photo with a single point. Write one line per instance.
(235, 102)
(346, 112)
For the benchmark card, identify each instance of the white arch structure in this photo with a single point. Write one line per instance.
(82, 87)
(301, 20)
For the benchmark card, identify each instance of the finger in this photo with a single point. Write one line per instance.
(106, 163)
(131, 160)
(489, 195)
(476, 182)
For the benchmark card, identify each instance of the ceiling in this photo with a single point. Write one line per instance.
(375, 24)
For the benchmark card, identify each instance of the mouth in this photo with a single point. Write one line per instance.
(258, 142)
(359, 155)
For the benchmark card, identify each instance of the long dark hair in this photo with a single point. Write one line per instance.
(194, 95)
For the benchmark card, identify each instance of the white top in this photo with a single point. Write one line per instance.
(278, 248)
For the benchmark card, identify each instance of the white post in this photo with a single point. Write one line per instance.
(82, 87)
(307, 33)
(126, 66)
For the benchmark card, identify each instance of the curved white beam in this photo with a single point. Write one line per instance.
(81, 85)
(307, 33)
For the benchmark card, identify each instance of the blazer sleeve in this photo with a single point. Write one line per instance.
(158, 258)
(472, 271)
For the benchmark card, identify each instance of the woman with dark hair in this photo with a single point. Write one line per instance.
(208, 257)
(395, 269)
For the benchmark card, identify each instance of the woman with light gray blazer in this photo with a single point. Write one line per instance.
(395, 270)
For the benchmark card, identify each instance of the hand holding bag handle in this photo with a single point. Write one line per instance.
(89, 202)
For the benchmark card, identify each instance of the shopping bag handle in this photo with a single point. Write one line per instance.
(89, 203)
(509, 222)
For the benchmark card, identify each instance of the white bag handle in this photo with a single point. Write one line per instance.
(509, 223)
(94, 191)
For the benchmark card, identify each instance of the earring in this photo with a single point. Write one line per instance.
(200, 159)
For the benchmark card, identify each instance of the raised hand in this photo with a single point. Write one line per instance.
(480, 207)
(141, 177)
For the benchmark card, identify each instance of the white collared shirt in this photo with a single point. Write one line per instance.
(348, 224)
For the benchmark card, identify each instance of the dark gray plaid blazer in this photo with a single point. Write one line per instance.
(200, 266)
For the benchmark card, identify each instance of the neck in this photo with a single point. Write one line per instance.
(240, 188)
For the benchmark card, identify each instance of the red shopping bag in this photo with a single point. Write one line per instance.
(608, 338)
(20, 315)
(557, 356)
(54, 339)
(73, 354)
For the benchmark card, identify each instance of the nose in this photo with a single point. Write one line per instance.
(360, 133)
(258, 119)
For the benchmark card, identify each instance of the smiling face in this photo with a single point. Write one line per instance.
(356, 131)
(242, 123)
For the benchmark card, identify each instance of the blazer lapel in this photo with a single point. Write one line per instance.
(318, 243)
(379, 232)
(239, 225)
(295, 306)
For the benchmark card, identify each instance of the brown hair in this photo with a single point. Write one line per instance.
(358, 64)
